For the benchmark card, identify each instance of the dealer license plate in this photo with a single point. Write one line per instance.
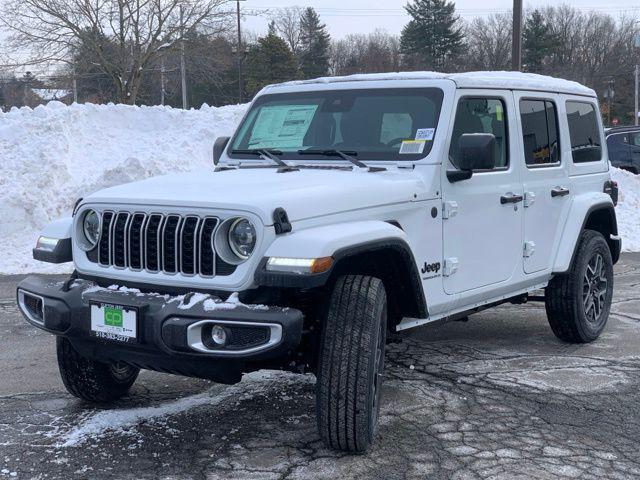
(114, 322)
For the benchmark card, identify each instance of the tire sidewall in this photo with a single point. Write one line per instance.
(374, 370)
(593, 245)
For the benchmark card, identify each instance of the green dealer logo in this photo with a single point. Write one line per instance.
(113, 317)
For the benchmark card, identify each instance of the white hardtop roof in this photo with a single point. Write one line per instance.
(501, 80)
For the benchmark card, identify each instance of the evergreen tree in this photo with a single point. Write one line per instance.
(539, 42)
(315, 43)
(268, 61)
(433, 36)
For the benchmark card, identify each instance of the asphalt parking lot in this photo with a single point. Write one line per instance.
(495, 397)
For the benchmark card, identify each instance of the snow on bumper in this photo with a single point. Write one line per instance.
(173, 332)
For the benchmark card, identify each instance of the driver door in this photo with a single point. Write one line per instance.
(482, 226)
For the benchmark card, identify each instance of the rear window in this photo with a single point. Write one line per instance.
(584, 130)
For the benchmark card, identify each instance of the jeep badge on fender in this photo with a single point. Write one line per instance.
(304, 245)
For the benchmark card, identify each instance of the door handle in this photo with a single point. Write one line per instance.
(559, 192)
(510, 198)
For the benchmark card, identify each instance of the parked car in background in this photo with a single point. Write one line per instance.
(624, 148)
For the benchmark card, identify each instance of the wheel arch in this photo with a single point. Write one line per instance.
(392, 261)
(600, 217)
(376, 248)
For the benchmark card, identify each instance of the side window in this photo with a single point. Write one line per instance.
(586, 144)
(540, 132)
(481, 115)
(395, 126)
(635, 139)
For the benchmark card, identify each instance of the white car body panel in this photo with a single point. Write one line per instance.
(326, 240)
(303, 194)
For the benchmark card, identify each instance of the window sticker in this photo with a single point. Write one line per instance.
(425, 134)
(499, 112)
(282, 126)
(412, 147)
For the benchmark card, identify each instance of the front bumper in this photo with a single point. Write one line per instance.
(172, 331)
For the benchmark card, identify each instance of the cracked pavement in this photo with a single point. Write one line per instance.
(495, 397)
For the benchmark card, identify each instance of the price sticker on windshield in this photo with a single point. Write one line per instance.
(412, 147)
(425, 134)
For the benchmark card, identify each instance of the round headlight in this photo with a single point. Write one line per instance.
(91, 229)
(242, 238)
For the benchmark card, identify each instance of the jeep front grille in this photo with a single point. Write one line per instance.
(156, 242)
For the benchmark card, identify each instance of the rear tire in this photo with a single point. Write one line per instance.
(91, 380)
(351, 362)
(578, 302)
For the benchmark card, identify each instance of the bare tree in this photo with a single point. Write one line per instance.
(287, 24)
(124, 37)
(360, 53)
(489, 43)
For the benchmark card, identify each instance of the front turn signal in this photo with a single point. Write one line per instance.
(302, 266)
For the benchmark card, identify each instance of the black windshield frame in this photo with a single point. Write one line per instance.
(435, 95)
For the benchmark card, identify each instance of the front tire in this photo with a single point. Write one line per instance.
(578, 302)
(91, 380)
(351, 362)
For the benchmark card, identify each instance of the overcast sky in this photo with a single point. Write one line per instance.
(361, 16)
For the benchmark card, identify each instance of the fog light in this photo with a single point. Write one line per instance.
(219, 335)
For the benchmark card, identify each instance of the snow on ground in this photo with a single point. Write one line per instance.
(125, 421)
(52, 155)
(628, 209)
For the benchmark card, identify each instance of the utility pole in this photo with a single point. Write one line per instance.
(75, 88)
(183, 68)
(516, 40)
(637, 74)
(162, 82)
(240, 54)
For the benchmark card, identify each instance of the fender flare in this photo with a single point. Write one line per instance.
(569, 247)
(60, 230)
(340, 241)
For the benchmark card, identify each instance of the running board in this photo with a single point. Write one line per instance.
(461, 314)
(408, 322)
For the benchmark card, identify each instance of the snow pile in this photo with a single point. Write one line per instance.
(54, 154)
(628, 209)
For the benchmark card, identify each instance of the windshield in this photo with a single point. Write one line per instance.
(380, 124)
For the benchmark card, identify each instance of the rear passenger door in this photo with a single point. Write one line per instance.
(545, 179)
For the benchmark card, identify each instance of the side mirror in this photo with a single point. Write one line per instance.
(476, 151)
(218, 148)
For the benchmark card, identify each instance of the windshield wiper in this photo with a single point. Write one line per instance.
(348, 155)
(268, 153)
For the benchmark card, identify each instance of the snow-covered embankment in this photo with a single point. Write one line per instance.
(50, 156)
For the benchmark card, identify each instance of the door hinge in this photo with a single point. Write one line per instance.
(449, 209)
(529, 199)
(450, 266)
(529, 248)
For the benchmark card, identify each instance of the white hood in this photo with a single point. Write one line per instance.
(303, 194)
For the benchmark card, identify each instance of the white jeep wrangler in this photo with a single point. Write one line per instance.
(342, 209)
